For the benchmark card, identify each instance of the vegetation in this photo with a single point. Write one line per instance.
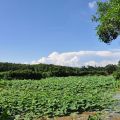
(108, 19)
(116, 73)
(54, 96)
(94, 117)
(22, 71)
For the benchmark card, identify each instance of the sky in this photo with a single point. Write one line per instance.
(53, 32)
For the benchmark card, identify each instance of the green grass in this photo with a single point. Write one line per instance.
(55, 96)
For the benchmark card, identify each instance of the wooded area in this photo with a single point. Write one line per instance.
(25, 71)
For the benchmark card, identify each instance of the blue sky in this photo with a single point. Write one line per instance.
(33, 29)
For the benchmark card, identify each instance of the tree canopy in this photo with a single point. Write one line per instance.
(36, 72)
(108, 18)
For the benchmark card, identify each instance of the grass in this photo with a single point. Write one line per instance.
(55, 96)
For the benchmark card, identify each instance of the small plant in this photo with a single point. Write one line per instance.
(94, 117)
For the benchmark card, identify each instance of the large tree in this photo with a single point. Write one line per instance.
(108, 19)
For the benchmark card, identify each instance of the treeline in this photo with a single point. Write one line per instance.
(25, 71)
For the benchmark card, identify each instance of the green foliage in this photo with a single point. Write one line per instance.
(4, 115)
(10, 71)
(94, 117)
(110, 68)
(55, 96)
(116, 74)
(108, 18)
(21, 74)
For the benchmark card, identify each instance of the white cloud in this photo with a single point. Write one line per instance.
(81, 58)
(101, 63)
(92, 4)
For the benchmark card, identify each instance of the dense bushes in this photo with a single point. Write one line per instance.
(24, 74)
(23, 71)
(110, 68)
(28, 74)
(116, 75)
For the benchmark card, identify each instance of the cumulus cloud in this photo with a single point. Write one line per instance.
(81, 58)
(92, 4)
(101, 63)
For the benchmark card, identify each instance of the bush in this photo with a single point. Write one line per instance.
(20, 74)
(116, 75)
(110, 68)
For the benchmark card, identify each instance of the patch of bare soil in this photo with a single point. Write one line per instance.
(83, 116)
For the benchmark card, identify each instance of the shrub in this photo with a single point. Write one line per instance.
(110, 68)
(20, 74)
(116, 74)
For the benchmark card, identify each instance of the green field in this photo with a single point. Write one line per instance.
(55, 96)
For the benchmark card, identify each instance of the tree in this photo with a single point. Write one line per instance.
(108, 19)
(110, 68)
(118, 63)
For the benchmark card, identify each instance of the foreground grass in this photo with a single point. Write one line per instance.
(54, 96)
